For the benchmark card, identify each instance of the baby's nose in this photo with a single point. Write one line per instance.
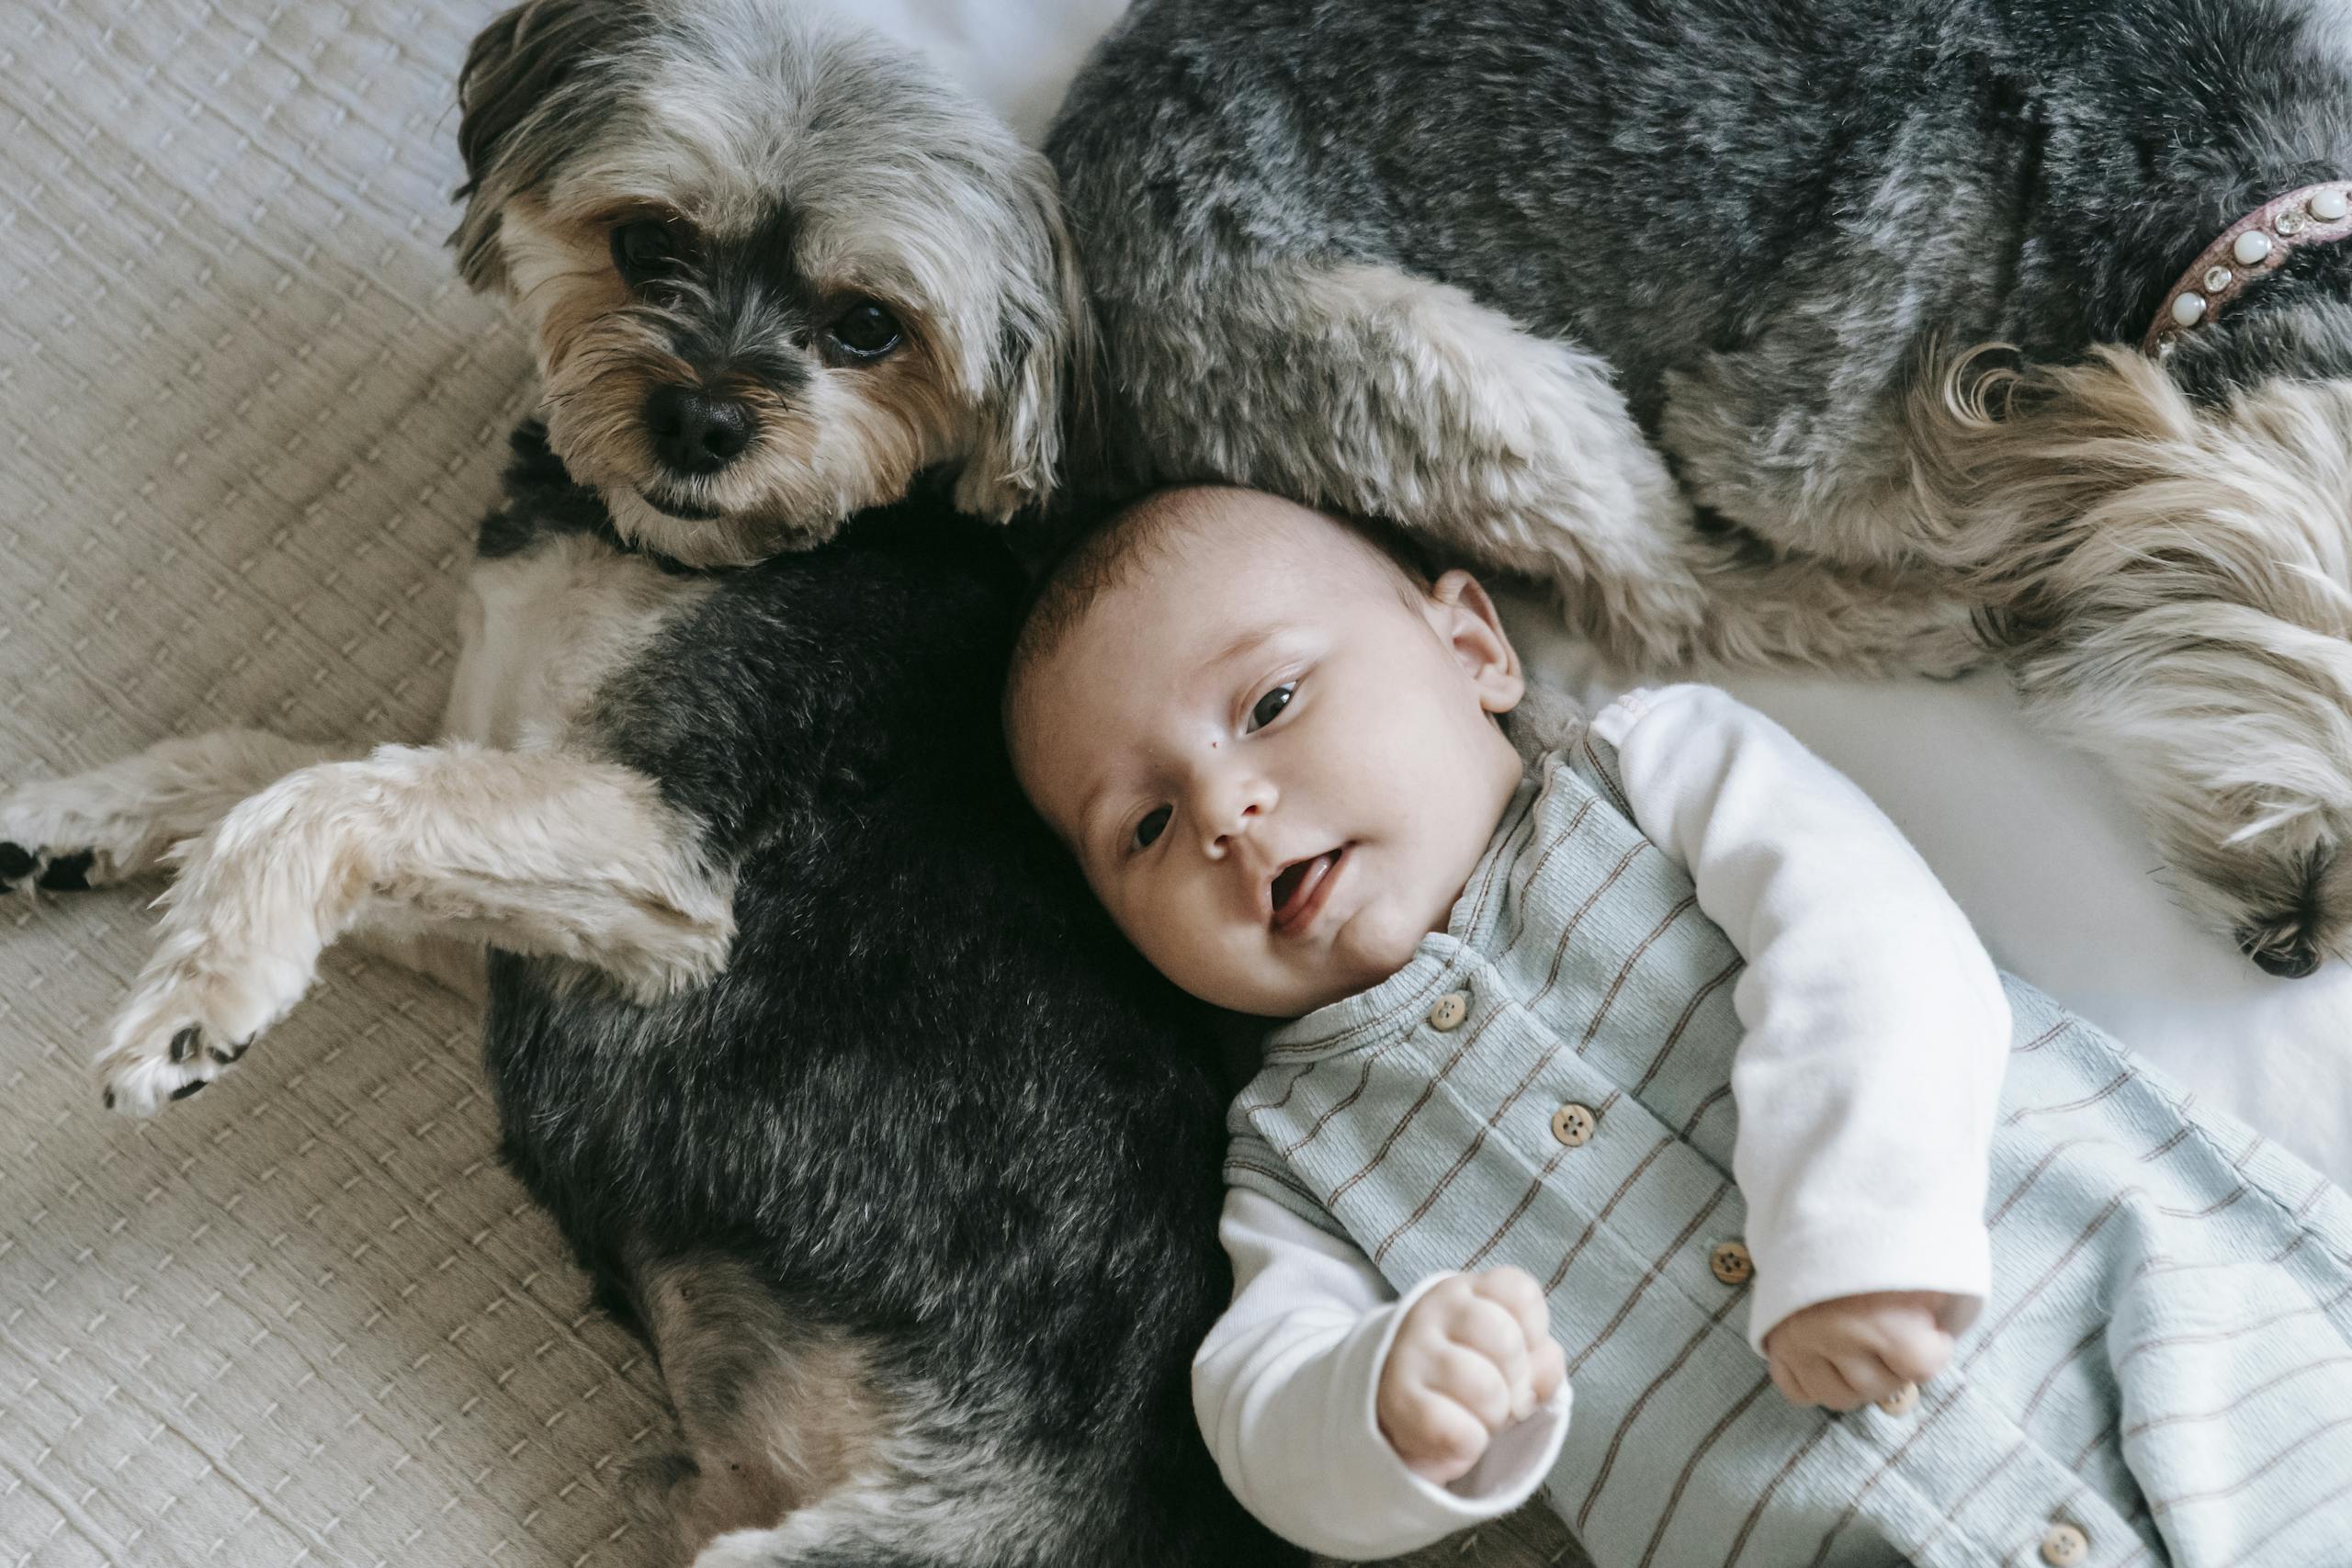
(1235, 824)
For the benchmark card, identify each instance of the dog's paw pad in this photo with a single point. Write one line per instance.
(67, 872)
(143, 1085)
(23, 869)
(2286, 948)
(190, 1041)
(160, 1054)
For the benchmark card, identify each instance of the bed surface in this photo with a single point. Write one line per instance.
(249, 419)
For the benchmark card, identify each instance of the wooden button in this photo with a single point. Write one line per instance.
(1573, 1125)
(1731, 1263)
(1902, 1400)
(2066, 1546)
(1451, 1009)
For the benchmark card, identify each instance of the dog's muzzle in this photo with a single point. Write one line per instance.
(694, 433)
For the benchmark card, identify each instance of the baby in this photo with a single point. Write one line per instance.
(1621, 1055)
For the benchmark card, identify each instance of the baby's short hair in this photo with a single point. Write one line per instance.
(1110, 553)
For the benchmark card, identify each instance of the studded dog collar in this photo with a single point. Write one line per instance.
(2255, 244)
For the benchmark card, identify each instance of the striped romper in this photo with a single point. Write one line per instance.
(2163, 1373)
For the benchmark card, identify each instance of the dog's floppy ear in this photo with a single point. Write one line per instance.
(1040, 393)
(516, 117)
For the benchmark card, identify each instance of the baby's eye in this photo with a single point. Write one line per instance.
(1155, 822)
(1273, 703)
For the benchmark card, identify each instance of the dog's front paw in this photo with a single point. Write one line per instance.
(188, 1023)
(67, 871)
(52, 838)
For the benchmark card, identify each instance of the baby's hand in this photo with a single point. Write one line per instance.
(1856, 1349)
(1472, 1358)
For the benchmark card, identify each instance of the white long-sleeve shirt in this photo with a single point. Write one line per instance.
(1876, 1034)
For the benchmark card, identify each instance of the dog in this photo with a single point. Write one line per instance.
(1657, 305)
(807, 1033)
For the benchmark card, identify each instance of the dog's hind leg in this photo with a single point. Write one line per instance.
(1371, 390)
(773, 1412)
(953, 1510)
(534, 852)
(118, 821)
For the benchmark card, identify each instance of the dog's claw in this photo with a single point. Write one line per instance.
(185, 1042)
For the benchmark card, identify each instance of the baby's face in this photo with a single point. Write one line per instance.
(1271, 752)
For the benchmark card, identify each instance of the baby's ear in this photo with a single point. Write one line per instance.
(1466, 619)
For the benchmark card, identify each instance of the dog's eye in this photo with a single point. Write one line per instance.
(644, 250)
(865, 331)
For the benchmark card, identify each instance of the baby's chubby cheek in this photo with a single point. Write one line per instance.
(1195, 953)
(1378, 942)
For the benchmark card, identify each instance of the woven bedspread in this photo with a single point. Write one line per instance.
(248, 418)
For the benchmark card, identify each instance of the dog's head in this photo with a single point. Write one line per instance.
(771, 268)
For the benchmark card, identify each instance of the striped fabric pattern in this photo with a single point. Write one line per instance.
(2164, 1364)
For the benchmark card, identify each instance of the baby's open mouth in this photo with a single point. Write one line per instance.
(1300, 887)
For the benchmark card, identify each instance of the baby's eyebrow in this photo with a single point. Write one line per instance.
(1249, 641)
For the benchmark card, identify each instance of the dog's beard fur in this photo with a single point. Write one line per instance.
(830, 170)
(2174, 581)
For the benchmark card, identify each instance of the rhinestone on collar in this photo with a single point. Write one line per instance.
(2257, 243)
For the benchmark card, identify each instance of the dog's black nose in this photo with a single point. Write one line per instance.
(2290, 956)
(694, 433)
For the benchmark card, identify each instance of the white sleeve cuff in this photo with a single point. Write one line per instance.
(1861, 1256)
(1395, 1510)
(1616, 721)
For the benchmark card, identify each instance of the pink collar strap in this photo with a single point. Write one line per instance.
(2257, 243)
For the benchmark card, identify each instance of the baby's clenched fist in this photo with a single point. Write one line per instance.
(1856, 1349)
(1473, 1357)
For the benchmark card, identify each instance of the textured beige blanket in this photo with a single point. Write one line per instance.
(247, 420)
